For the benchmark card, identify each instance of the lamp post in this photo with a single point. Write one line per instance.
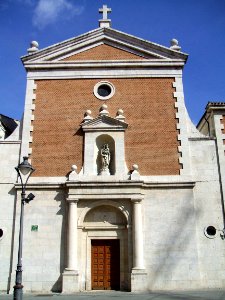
(24, 171)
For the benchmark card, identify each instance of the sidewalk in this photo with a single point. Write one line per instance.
(111, 295)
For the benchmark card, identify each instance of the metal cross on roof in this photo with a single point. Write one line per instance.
(105, 10)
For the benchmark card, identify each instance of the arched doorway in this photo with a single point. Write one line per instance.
(105, 231)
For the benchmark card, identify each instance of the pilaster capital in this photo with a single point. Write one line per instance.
(72, 200)
(137, 198)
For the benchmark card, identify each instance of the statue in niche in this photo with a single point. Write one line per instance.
(105, 159)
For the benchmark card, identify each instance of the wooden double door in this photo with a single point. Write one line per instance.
(105, 264)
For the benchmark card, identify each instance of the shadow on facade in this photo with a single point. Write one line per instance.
(12, 192)
(177, 235)
(57, 286)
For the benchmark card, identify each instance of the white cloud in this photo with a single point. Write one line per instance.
(49, 11)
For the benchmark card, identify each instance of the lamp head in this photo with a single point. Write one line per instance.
(25, 167)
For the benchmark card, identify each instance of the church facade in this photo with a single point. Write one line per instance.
(129, 194)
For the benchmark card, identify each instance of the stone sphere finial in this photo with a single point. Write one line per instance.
(34, 44)
(135, 167)
(103, 110)
(135, 175)
(88, 112)
(104, 106)
(174, 42)
(74, 168)
(119, 111)
(73, 174)
(174, 45)
(33, 47)
(119, 115)
(87, 116)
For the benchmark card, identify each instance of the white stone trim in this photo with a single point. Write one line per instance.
(121, 208)
(113, 43)
(88, 64)
(117, 234)
(104, 73)
(104, 129)
(142, 53)
(78, 50)
(72, 236)
(112, 87)
(181, 116)
(165, 181)
(138, 241)
(9, 142)
(210, 236)
(102, 34)
(4, 229)
(28, 117)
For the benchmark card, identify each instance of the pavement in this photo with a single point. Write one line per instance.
(112, 295)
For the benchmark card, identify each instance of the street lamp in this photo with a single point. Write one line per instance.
(24, 171)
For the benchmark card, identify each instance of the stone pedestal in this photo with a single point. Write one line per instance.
(105, 172)
(139, 281)
(70, 282)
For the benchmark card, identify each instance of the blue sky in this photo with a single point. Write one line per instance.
(199, 25)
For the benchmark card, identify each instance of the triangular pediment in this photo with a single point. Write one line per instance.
(103, 44)
(104, 51)
(104, 123)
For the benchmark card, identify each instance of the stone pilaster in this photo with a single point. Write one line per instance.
(138, 275)
(71, 275)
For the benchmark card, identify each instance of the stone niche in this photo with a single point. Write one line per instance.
(105, 139)
(101, 131)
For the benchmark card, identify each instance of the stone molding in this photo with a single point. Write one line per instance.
(93, 205)
(78, 185)
(104, 123)
(28, 117)
(98, 131)
(117, 38)
(10, 142)
(72, 200)
(181, 116)
(105, 72)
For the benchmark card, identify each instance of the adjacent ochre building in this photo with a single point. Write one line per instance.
(143, 206)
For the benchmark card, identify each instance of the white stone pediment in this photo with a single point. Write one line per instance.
(104, 123)
(55, 54)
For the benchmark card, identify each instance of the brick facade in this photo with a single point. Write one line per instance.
(148, 104)
(103, 52)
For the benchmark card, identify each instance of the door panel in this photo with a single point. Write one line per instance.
(105, 264)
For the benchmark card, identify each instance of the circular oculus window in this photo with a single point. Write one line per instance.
(210, 232)
(1, 233)
(104, 90)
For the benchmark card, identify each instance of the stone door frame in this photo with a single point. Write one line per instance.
(123, 233)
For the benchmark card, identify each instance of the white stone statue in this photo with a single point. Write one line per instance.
(105, 159)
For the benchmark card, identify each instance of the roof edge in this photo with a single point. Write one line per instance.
(145, 44)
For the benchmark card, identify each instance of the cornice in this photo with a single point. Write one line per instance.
(107, 184)
(107, 35)
(114, 64)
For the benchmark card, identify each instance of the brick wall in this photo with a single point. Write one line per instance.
(103, 52)
(148, 104)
